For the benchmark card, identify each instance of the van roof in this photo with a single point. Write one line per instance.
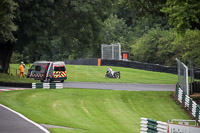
(42, 62)
(56, 63)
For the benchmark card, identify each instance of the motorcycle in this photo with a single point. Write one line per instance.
(111, 74)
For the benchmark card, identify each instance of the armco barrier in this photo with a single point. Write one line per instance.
(152, 126)
(47, 85)
(24, 85)
(140, 65)
(186, 101)
(122, 63)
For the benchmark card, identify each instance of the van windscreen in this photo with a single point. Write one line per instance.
(59, 68)
(37, 68)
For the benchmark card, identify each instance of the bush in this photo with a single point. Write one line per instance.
(155, 47)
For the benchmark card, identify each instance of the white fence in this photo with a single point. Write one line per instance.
(47, 85)
(152, 126)
(188, 102)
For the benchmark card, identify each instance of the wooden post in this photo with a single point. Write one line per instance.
(9, 69)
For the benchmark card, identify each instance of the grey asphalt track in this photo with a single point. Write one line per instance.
(120, 86)
(11, 122)
(114, 86)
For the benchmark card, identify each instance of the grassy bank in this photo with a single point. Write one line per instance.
(13, 75)
(80, 73)
(83, 73)
(93, 111)
(15, 79)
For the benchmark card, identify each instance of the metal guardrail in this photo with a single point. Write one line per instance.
(47, 85)
(188, 103)
(153, 126)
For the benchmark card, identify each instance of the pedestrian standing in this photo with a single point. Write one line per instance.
(21, 68)
(24, 66)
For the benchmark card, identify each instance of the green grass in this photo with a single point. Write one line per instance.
(14, 75)
(93, 111)
(15, 67)
(83, 73)
(15, 79)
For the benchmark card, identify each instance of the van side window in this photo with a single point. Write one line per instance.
(59, 68)
(32, 67)
(37, 68)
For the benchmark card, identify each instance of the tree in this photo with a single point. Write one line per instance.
(35, 27)
(7, 27)
(116, 31)
(80, 25)
(60, 29)
(187, 47)
(142, 15)
(183, 14)
(155, 47)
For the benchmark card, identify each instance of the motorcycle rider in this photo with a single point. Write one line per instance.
(110, 70)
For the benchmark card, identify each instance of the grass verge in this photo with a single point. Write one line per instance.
(81, 73)
(84, 73)
(15, 79)
(93, 111)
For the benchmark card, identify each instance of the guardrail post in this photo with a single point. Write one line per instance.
(47, 85)
(152, 126)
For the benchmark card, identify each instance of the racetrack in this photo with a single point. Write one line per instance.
(111, 86)
(120, 86)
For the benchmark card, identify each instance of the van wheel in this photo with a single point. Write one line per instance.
(62, 81)
(48, 80)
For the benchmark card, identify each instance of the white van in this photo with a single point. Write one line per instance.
(48, 70)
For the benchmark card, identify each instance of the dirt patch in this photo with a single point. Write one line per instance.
(54, 105)
(195, 95)
(83, 107)
(187, 111)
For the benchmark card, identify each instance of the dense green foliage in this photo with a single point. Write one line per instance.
(116, 30)
(69, 29)
(155, 47)
(93, 111)
(183, 14)
(163, 46)
(7, 15)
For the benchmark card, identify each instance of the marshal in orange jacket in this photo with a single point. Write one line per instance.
(21, 68)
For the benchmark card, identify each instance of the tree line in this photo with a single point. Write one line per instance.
(154, 31)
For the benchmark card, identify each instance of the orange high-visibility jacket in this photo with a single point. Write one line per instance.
(21, 68)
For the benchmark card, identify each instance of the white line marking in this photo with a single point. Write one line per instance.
(25, 118)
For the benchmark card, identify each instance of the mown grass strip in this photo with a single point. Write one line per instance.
(83, 73)
(93, 111)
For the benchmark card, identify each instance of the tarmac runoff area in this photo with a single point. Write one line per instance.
(14, 122)
(120, 86)
(108, 86)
